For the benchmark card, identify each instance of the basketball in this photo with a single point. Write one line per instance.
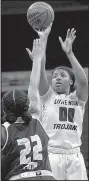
(40, 15)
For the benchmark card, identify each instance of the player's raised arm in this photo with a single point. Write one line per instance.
(80, 76)
(33, 92)
(44, 86)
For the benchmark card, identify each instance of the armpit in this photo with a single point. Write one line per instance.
(34, 105)
(47, 94)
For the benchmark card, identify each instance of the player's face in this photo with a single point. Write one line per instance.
(61, 81)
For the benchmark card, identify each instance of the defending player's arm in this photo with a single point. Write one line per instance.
(3, 136)
(80, 76)
(44, 86)
(33, 92)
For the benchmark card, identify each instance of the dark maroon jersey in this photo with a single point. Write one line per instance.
(26, 149)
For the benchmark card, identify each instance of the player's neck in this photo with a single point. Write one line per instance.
(66, 92)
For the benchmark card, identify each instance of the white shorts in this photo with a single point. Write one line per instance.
(68, 166)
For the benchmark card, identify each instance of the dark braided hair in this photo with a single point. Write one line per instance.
(71, 74)
(15, 104)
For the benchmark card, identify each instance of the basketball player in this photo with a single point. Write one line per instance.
(63, 111)
(24, 141)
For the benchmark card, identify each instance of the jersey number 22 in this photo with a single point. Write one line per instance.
(36, 149)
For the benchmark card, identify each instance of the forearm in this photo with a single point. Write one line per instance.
(33, 92)
(77, 68)
(35, 74)
(43, 62)
(43, 85)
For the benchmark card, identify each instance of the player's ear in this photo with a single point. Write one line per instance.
(71, 82)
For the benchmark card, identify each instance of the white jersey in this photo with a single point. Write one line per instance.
(62, 118)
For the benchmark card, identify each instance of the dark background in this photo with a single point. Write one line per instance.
(16, 35)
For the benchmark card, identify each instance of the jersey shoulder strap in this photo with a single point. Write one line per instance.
(80, 102)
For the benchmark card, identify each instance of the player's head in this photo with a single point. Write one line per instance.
(15, 104)
(63, 80)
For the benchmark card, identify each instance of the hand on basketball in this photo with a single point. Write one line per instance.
(67, 44)
(37, 50)
(43, 34)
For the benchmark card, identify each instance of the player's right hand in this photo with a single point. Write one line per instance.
(43, 34)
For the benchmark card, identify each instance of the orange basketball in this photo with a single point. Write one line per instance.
(40, 15)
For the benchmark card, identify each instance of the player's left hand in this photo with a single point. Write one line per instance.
(67, 43)
(37, 50)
